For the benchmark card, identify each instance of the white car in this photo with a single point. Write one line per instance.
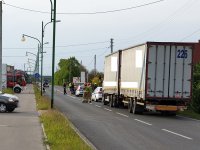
(97, 94)
(79, 91)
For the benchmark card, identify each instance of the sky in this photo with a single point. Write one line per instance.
(83, 32)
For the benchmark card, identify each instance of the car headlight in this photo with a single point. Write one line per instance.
(10, 100)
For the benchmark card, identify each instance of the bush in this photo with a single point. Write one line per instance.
(196, 98)
(195, 105)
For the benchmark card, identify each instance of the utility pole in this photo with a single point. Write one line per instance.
(0, 45)
(95, 59)
(111, 45)
(53, 12)
(41, 81)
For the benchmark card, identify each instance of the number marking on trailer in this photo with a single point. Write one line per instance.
(177, 134)
(143, 122)
(122, 114)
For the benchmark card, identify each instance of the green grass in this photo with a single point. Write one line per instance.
(42, 102)
(190, 113)
(57, 127)
(59, 133)
(8, 90)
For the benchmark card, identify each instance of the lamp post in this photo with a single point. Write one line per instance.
(39, 47)
(34, 60)
(43, 29)
(53, 18)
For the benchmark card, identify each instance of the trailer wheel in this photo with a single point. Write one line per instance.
(115, 102)
(104, 102)
(130, 106)
(137, 109)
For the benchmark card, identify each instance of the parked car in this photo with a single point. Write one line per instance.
(79, 90)
(97, 94)
(8, 102)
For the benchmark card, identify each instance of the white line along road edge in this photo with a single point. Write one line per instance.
(143, 122)
(122, 114)
(107, 109)
(177, 134)
(98, 106)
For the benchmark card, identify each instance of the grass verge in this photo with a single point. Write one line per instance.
(190, 113)
(59, 133)
(8, 90)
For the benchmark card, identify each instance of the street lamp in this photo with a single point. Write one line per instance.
(39, 46)
(43, 29)
(34, 60)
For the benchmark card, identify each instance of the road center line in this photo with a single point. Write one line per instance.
(107, 109)
(98, 106)
(122, 114)
(177, 134)
(143, 122)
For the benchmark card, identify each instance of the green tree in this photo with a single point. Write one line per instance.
(68, 68)
(196, 89)
(96, 77)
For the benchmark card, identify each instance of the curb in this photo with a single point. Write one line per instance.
(45, 138)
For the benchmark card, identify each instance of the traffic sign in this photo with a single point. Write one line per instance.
(37, 75)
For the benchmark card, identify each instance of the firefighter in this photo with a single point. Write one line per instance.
(87, 93)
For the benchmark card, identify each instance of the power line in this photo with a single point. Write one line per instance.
(71, 45)
(13, 56)
(190, 35)
(88, 13)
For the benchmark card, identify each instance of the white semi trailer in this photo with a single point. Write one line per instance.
(155, 76)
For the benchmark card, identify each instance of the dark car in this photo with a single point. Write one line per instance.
(8, 102)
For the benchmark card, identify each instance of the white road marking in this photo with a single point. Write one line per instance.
(98, 106)
(3, 125)
(122, 114)
(143, 122)
(177, 134)
(107, 109)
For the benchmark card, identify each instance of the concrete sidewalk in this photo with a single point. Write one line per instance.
(21, 129)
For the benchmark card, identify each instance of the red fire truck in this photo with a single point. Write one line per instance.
(16, 80)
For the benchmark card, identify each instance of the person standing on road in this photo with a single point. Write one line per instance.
(87, 93)
(64, 87)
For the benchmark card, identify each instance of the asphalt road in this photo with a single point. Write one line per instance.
(116, 129)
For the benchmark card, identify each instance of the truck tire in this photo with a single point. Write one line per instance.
(130, 106)
(137, 109)
(104, 102)
(17, 90)
(115, 102)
